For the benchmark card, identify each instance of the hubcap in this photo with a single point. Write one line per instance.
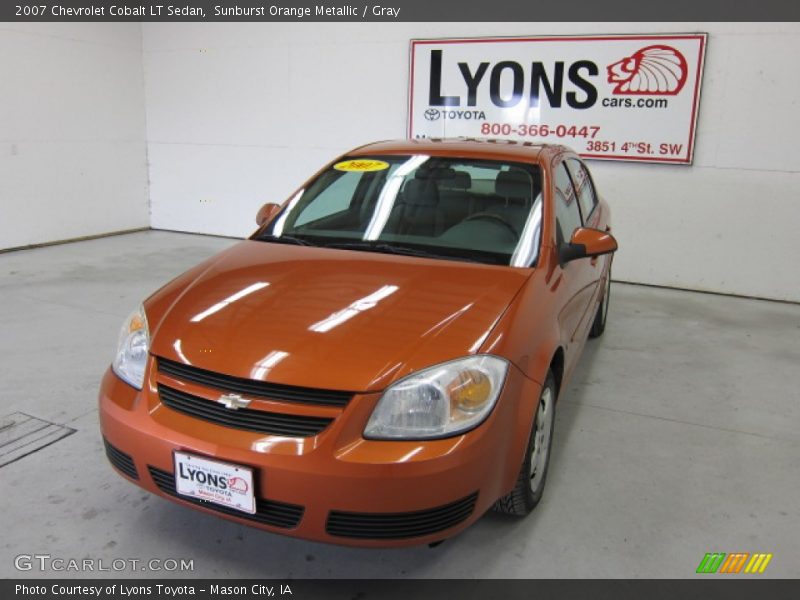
(541, 439)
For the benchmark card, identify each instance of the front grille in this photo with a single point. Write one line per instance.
(387, 526)
(121, 461)
(252, 387)
(248, 419)
(268, 512)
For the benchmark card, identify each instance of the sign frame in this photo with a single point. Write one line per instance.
(696, 81)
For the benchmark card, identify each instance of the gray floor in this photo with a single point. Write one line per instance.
(679, 435)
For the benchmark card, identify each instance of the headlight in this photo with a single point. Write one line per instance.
(132, 349)
(441, 401)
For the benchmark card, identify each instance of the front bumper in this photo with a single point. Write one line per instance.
(333, 487)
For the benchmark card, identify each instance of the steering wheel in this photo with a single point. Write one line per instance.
(494, 217)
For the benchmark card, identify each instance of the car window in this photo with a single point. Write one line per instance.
(458, 208)
(333, 199)
(568, 217)
(583, 182)
(481, 178)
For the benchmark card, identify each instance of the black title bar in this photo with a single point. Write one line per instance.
(710, 588)
(398, 10)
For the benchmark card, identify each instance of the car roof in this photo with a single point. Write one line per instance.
(481, 148)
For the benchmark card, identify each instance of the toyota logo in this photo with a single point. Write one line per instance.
(432, 114)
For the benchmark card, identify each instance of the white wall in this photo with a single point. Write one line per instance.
(72, 131)
(238, 114)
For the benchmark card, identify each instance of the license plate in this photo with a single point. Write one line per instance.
(218, 482)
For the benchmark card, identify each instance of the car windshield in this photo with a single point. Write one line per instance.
(439, 207)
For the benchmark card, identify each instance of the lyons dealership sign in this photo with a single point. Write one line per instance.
(622, 97)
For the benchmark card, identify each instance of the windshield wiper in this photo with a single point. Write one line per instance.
(285, 239)
(385, 248)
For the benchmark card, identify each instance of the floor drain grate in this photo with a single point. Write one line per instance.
(21, 435)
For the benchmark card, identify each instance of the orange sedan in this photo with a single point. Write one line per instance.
(379, 363)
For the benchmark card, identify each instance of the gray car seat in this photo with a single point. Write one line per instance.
(416, 211)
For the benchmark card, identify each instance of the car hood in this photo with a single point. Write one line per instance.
(327, 318)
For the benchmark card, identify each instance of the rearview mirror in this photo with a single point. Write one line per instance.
(587, 242)
(267, 212)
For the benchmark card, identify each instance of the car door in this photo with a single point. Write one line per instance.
(590, 216)
(577, 277)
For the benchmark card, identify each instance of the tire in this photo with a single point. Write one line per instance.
(600, 317)
(532, 476)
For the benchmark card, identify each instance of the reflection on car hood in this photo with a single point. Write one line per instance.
(334, 319)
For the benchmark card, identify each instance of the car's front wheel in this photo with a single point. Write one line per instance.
(530, 483)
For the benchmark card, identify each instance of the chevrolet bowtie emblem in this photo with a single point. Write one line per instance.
(233, 401)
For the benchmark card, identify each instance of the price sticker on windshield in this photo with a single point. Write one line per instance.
(361, 165)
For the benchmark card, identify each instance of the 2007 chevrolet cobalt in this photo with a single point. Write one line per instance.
(379, 363)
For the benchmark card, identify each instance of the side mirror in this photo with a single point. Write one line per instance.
(267, 212)
(587, 242)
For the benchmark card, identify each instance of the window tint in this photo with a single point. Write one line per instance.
(333, 199)
(568, 217)
(582, 181)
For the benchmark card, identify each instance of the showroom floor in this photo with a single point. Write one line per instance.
(679, 435)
